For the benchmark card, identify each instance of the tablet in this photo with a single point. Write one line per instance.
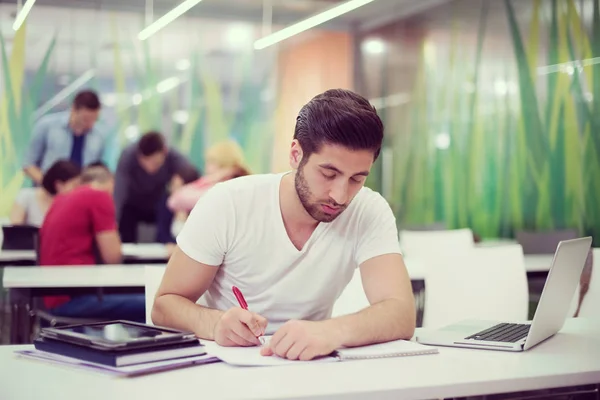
(115, 335)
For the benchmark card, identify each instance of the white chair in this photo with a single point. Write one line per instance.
(488, 283)
(352, 299)
(415, 244)
(153, 275)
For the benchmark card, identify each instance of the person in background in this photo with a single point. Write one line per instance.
(224, 161)
(183, 178)
(292, 242)
(72, 135)
(32, 204)
(144, 173)
(80, 229)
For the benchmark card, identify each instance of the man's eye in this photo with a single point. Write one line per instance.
(329, 176)
(356, 180)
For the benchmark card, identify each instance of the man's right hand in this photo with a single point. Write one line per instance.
(35, 173)
(239, 327)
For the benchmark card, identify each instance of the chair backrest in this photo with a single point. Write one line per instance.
(146, 232)
(415, 244)
(153, 275)
(352, 299)
(488, 283)
(19, 237)
(436, 226)
(543, 242)
(590, 303)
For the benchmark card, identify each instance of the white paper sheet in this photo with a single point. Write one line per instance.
(251, 357)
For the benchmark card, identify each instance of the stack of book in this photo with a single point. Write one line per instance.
(119, 347)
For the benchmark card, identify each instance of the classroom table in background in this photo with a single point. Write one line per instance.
(569, 359)
(133, 253)
(26, 283)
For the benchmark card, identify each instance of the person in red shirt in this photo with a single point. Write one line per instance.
(80, 229)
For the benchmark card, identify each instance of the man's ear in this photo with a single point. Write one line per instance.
(295, 154)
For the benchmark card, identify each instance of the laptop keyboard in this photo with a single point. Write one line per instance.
(509, 333)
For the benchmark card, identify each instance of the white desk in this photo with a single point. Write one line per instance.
(131, 251)
(145, 251)
(17, 255)
(83, 276)
(568, 359)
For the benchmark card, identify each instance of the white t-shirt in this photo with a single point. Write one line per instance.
(237, 226)
(28, 199)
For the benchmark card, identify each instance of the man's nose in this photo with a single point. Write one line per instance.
(339, 192)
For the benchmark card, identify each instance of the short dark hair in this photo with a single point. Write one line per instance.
(86, 99)
(61, 171)
(342, 117)
(151, 143)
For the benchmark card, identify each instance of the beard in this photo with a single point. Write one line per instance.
(314, 209)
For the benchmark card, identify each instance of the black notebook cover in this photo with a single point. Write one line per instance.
(120, 358)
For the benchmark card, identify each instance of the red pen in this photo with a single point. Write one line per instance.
(240, 297)
(242, 301)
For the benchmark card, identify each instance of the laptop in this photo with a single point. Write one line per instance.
(19, 237)
(550, 315)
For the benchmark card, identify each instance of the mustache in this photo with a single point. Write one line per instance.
(334, 204)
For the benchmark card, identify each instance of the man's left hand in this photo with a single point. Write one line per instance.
(303, 340)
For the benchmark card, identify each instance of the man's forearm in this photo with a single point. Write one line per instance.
(387, 320)
(34, 173)
(177, 312)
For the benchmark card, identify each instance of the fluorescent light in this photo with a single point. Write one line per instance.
(23, 14)
(168, 84)
(167, 19)
(374, 46)
(109, 99)
(181, 117)
(136, 99)
(309, 23)
(183, 64)
(239, 36)
(132, 132)
(63, 94)
(442, 140)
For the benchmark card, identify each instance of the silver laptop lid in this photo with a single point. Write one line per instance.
(559, 289)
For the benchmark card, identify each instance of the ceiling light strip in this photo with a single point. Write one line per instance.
(167, 19)
(309, 23)
(23, 14)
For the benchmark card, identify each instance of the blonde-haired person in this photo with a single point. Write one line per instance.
(224, 161)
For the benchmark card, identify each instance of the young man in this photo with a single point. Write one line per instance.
(80, 229)
(291, 242)
(144, 171)
(70, 135)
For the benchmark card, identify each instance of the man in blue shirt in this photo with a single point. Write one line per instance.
(68, 135)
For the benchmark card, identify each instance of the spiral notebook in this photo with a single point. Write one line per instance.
(397, 348)
(250, 356)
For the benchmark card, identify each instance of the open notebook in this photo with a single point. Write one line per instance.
(250, 356)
